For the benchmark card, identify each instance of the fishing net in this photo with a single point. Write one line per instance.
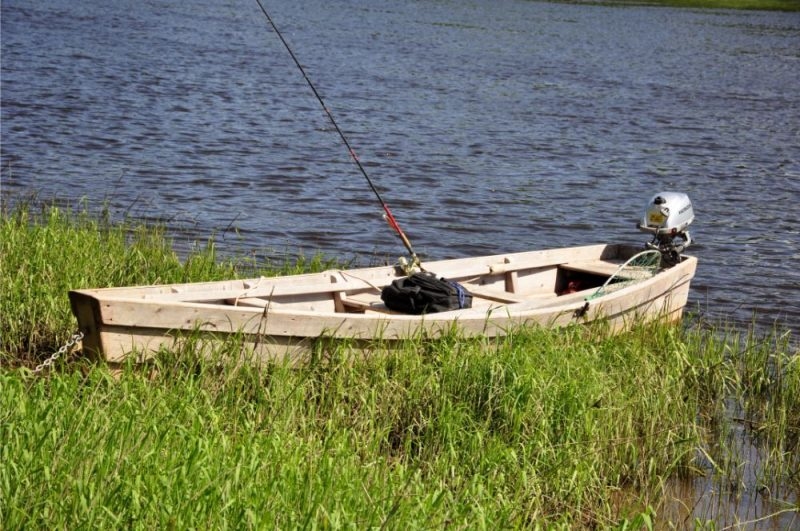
(636, 269)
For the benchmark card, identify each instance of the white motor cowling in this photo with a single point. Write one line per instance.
(666, 217)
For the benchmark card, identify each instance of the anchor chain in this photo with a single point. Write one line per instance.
(63, 350)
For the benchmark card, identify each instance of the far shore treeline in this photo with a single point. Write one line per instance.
(764, 5)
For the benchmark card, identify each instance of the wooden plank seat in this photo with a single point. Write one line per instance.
(362, 302)
(492, 295)
(595, 267)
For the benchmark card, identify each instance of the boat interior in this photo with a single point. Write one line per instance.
(552, 285)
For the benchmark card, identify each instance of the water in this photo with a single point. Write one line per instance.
(487, 126)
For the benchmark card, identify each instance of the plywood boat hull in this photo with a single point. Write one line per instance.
(283, 317)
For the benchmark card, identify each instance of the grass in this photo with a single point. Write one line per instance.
(538, 429)
(48, 251)
(455, 433)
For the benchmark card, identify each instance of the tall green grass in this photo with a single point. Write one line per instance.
(749, 414)
(538, 428)
(566, 429)
(46, 251)
(769, 395)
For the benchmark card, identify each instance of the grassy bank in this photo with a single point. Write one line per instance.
(568, 429)
(48, 251)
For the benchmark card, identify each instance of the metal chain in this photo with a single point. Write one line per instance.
(63, 350)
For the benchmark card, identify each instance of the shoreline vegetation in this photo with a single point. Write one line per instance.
(572, 428)
(752, 5)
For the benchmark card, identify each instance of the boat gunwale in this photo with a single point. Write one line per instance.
(510, 262)
(117, 323)
(521, 309)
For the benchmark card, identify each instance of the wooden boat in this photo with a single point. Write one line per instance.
(284, 316)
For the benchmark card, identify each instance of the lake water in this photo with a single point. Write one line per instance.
(487, 126)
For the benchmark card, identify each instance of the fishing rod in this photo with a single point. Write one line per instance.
(388, 216)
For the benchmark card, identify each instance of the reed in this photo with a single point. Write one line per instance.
(770, 403)
(47, 252)
(536, 428)
(749, 416)
(541, 428)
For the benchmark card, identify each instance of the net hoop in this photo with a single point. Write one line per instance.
(639, 267)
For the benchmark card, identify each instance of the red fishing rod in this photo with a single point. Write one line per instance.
(388, 213)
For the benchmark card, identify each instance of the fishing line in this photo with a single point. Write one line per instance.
(388, 213)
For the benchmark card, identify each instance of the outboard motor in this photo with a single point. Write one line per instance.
(666, 217)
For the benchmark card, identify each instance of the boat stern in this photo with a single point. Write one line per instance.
(86, 309)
